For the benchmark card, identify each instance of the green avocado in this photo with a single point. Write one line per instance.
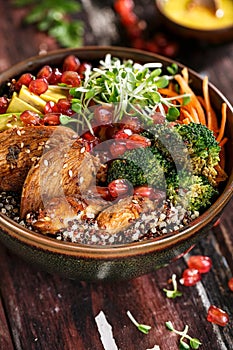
(54, 93)
(18, 105)
(10, 120)
(32, 99)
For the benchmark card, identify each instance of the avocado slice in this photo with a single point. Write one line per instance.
(18, 105)
(54, 93)
(34, 100)
(10, 120)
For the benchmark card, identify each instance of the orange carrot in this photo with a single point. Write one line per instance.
(223, 122)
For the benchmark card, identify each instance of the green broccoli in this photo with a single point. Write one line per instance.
(193, 192)
(140, 166)
(190, 146)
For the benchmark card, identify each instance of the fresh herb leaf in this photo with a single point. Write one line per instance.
(141, 327)
(195, 343)
(172, 69)
(172, 114)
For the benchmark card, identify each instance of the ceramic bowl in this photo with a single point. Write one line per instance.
(212, 36)
(94, 263)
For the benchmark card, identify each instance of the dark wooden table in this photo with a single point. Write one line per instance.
(40, 311)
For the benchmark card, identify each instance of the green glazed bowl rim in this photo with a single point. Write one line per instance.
(40, 241)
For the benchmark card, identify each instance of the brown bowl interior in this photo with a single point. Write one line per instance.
(113, 262)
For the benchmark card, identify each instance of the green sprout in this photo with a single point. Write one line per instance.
(141, 327)
(172, 294)
(194, 343)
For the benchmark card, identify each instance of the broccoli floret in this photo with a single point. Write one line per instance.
(202, 147)
(193, 192)
(140, 166)
(190, 146)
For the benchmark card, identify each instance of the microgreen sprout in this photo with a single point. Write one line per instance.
(141, 327)
(194, 343)
(172, 294)
(130, 87)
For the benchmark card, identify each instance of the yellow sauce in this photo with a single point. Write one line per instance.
(198, 17)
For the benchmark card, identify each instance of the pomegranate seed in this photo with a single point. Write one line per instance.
(119, 188)
(123, 134)
(131, 123)
(30, 118)
(103, 192)
(103, 115)
(230, 284)
(71, 78)
(25, 79)
(90, 141)
(71, 63)
(38, 86)
(49, 107)
(55, 77)
(45, 72)
(117, 149)
(123, 7)
(202, 263)
(217, 316)
(3, 104)
(149, 192)
(190, 277)
(64, 106)
(51, 119)
(136, 141)
(83, 67)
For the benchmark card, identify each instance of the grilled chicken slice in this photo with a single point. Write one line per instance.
(20, 149)
(118, 217)
(62, 171)
(60, 211)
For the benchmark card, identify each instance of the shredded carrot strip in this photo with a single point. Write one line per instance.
(223, 122)
(214, 119)
(185, 74)
(194, 101)
(223, 142)
(187, 115)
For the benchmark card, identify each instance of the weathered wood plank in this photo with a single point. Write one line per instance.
(5, 335)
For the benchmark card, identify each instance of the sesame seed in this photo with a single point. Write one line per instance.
(46, 163)
(70, 173)
(18, 132)
(82, 150)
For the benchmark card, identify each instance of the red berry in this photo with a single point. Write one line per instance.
(45, 72)
(149, 192)
(3, 104)
(123, 134)
(117, 148)
(51, 119)
(25, 79)
(136, 141)
(38, 86)
(230, 284)
(190, 277)
(103, 115)
(217, 316)
(202, 263)
(55, 77)
(90, 141)
(83, 67)
(119, 188)
(71, 78)
(103, 192)
(71, 63)
(64, 106)
(30, 118)
(49, 107)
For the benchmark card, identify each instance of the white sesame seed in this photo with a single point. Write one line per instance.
(82, 150)
(70, 173)
(46, 163)
(18, 132)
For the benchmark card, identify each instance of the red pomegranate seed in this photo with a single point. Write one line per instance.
(217, 316)
(25, 79)
(90, 141)
(30, 118)
(70, 78)
(55, 77)
(71, 63)
(3, 104)
(103, 192)
(45, 72)
(49, 107)
(202, 263)
(230, 284)
(38, 86)
(119, 188)
(64, 106)
(117, 149)
(51, 119)
(190, 277)
(136, 141)
(103, 115)
(149, 192)
(123, 133)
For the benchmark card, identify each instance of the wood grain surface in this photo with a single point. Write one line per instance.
(44, 312)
